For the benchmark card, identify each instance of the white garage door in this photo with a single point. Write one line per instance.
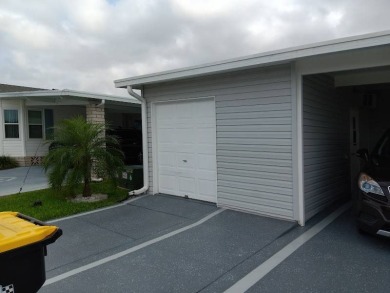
(186, 149)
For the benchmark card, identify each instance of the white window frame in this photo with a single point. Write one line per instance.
(42, 124)
(6, 123)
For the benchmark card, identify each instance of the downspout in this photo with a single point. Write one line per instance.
(101, 104)
(144, 142)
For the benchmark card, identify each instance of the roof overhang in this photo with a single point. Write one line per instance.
(56, 95)
(263, 59)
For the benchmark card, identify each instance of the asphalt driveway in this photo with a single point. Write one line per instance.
(27, 178)
(169, 244)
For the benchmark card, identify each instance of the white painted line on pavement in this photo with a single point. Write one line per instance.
(128, 251)
(258, 273)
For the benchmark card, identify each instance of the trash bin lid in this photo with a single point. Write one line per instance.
(16, 232)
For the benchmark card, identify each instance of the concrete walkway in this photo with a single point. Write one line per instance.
(29, 178)
(170, 244)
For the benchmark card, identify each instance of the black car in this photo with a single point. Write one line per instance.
(373, 199)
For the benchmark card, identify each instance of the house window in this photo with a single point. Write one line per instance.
(35, 124)
(11, 123)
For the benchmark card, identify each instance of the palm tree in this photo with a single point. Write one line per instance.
(78, 148)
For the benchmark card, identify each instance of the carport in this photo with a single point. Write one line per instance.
(343, 110)
(272, 133)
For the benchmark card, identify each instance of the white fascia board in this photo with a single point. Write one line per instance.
(264, 59)
(66, 94)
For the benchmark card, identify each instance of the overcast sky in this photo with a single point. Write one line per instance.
(86, 44)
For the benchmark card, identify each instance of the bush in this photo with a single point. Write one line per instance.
(7, 163)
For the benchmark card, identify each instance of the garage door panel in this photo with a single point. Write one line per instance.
(168, 183)
(184, 136)
(186, 145)
(207, 188)
(206, 135)
(206, 162)
(167, 159)
(166, 136)
(187, 186)
(186, 160)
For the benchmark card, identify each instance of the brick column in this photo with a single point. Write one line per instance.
(95, 114)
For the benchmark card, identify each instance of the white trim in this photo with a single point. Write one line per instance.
(153, 124)
(153, 105)
(263, 59)
(11, 108)
(294, 152)
(300, 166)
(262, 270)
(128, 251)
(67, 93)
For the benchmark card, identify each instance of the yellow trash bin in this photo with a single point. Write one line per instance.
(23, 242)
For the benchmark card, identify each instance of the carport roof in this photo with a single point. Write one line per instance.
(262, 59)
(55, 94)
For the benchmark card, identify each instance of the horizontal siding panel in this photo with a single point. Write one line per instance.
(257, 201)
(245, 134)
(317, 186)
(325, 140)
(254, 108)
(265, 75)
(13, 148)
(260, 181)
(237, 193)
(255, 115)
(233, 87)
(259, 168)
(260, 121)
(255, 128)
(256, 187)
(255, 161)
(275, 94)
(258, 209)
(267, 89)
(254, 154)
(255, 174)
(263, 148)
(254, 141)
(270, 97)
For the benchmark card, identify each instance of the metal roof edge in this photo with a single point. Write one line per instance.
(266, 58)
(66, 92)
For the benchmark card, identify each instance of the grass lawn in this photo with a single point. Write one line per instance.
(55, 205)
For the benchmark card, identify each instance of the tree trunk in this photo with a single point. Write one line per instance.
(87, 187)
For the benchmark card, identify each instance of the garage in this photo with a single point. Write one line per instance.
(287, 125)
(186, 148)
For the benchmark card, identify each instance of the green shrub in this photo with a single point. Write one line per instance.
(8, 163)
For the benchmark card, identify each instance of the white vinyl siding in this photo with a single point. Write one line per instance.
(325, 143)
(254, 135)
